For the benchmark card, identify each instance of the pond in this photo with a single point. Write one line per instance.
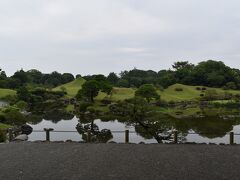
(3, 103)
(70, 125)
(203, 130)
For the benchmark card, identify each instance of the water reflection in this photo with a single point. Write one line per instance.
(3, 103)
(152, 130)
(56, 116)
(211, 127)
(90, 131)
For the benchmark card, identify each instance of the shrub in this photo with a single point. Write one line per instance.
(237, 97)
(161, 103)
(179, 113)
(2, 136)
(83, 106)
(178, 89)
(2, 118)
(204, 88)
(231, 85)
(228, 96)
(171, 103)
(225, 88)
(198, 88)
(120, 108)
(201, 95)
(159, 87)
(211, 95)
(232, 105)
(22, 105)
(106, 101)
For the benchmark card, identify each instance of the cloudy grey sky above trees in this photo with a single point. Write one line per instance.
(101, 36)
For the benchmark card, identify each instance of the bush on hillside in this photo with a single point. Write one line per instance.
(106, 101)
(230, 85)
(228, 96)
(211, 95)
(161, 103)
(178, 89)
(159, 87)
(179, 113)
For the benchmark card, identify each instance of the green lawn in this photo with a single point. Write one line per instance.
(118, 94)
(122, 93)
(169, 94)
(6, 92)
(72, 88)
(188, 93)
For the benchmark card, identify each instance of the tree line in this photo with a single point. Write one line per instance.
(206, 73)
(34, 77)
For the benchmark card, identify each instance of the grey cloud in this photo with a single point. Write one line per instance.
(95, 36)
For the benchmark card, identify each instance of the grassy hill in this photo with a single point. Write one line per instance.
(169, 94)
(6, 92)
(72, 87)
(118, 94)
(188, 93)
(122, 93)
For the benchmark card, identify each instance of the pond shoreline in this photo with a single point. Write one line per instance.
(113, 142)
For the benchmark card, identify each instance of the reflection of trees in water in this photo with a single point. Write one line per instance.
(148, 123)
(96, 135)
(56, 116)
(210, 127)
(159, 127)
(34, 119)
(53, 116)
(86, 127)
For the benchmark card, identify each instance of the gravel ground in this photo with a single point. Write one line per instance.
(118, 161)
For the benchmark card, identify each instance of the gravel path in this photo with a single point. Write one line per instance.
(118, 161)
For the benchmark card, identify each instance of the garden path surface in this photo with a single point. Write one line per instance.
(117, 161)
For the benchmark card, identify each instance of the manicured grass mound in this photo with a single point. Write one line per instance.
(122, 93)
(6, 92)
(176, 92)
(173, 93)
(118, 94)
(72, 87)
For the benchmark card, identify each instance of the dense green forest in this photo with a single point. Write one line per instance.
(207, 73)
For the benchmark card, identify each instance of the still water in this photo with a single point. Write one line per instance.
(70, 125)
(199, 131)
(3, 103)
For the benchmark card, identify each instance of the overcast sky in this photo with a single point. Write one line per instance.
(101, 36)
